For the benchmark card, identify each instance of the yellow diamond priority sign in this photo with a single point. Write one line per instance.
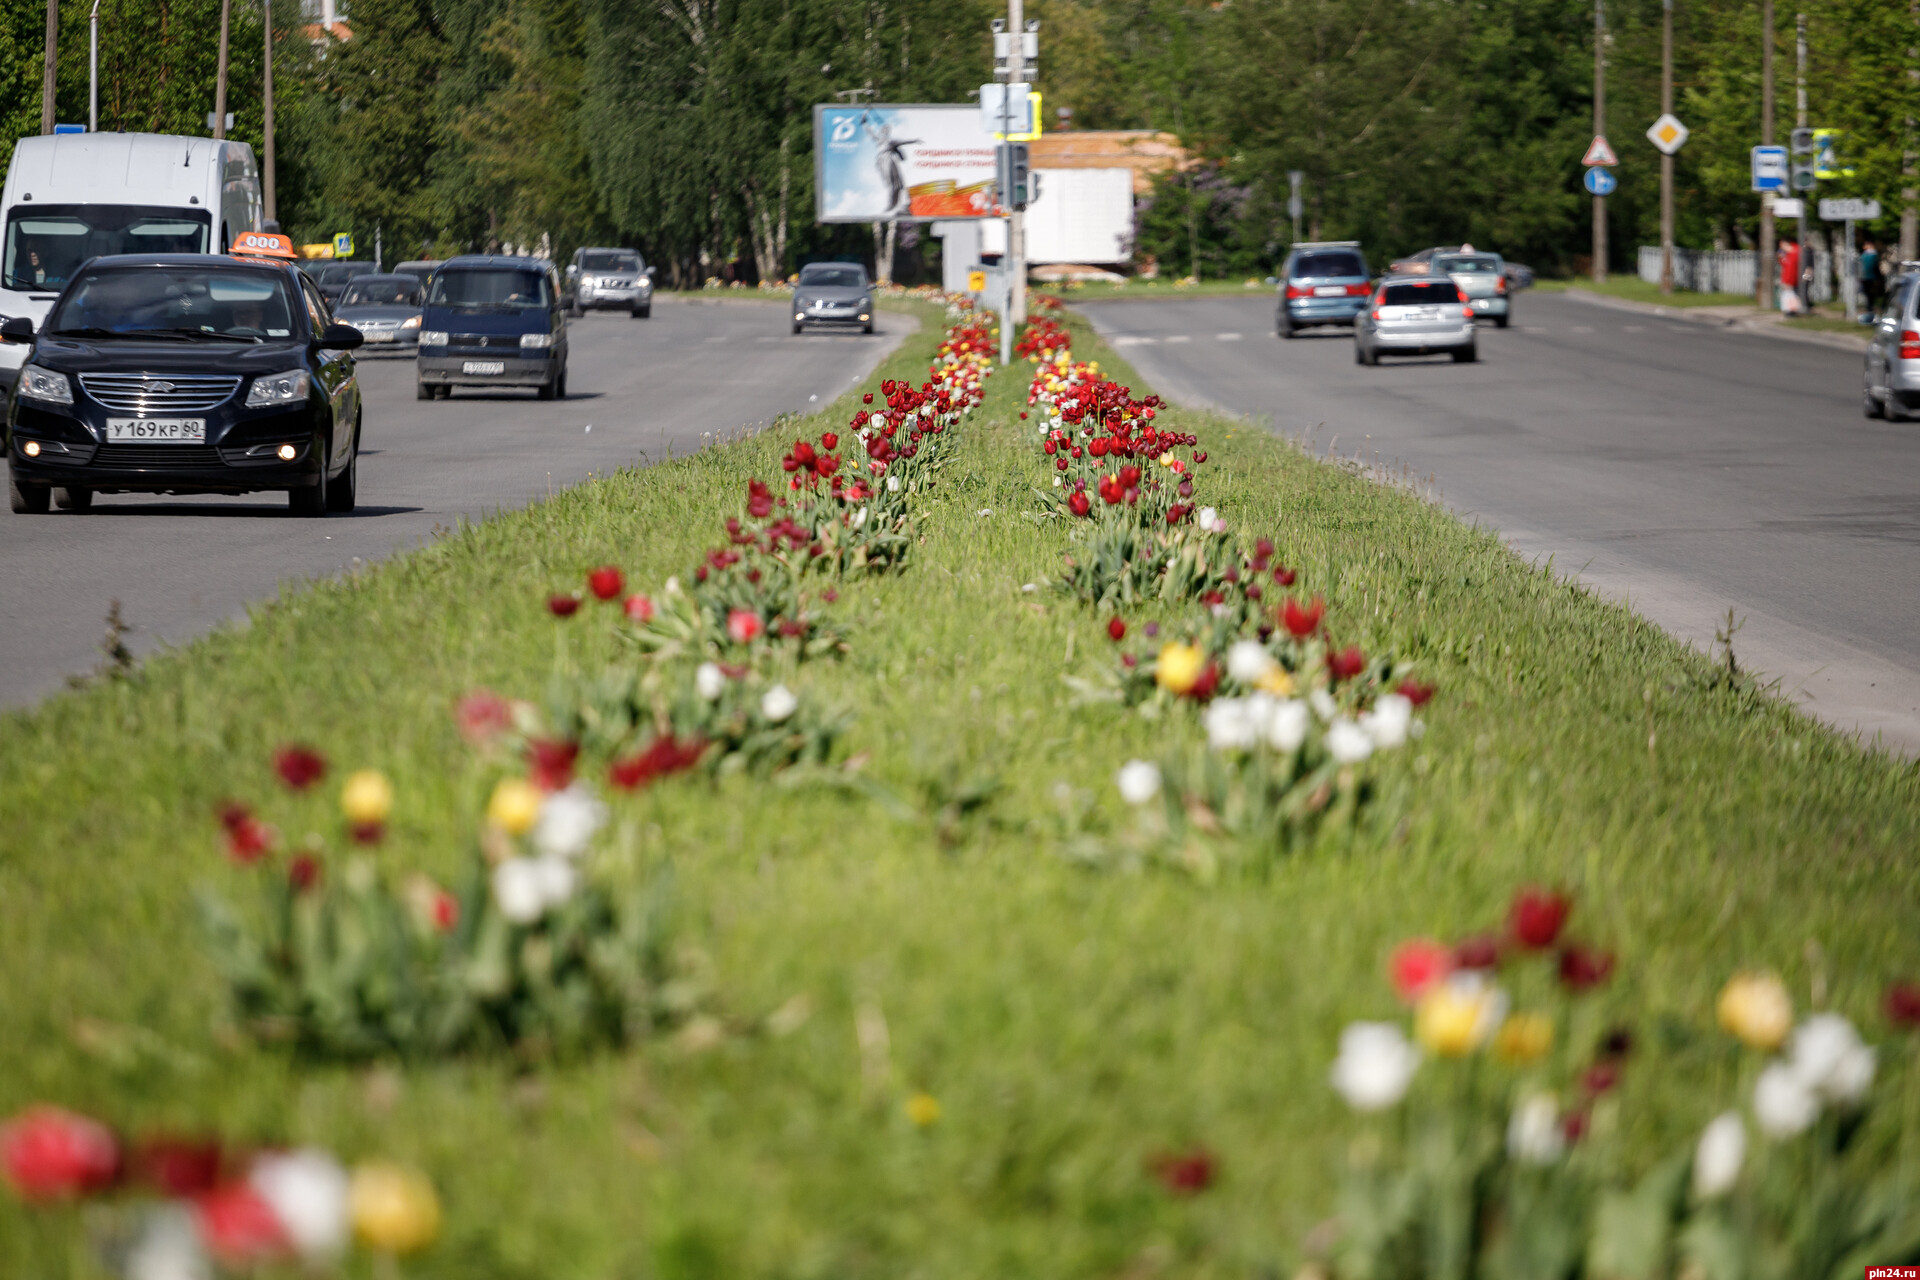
(1668, 134)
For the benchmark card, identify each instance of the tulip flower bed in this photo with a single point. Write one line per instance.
(807, 972)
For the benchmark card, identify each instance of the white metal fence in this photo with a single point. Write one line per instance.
(1728, 271)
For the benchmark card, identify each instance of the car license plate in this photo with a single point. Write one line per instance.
(379, 336)
(1329, 291)
(484, 366)
(160, 430)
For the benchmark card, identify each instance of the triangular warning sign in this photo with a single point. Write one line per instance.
(1600, 153)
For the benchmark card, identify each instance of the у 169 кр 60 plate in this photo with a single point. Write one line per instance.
(158, 430)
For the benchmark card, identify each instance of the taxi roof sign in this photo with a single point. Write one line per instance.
(263, 244)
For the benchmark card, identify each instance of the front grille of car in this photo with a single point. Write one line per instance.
(486, 341)
(157, 457)
(157, 393)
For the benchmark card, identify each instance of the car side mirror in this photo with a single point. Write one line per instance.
(340, 337)
(651, 271)
(17, 329)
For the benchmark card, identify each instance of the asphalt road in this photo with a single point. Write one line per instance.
(637, 389)
(1685, 469)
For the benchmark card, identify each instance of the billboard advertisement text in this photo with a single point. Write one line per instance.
(881, 163)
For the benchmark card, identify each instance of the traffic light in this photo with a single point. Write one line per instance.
(1803, 175)
(1015, 179)
(1802, 143)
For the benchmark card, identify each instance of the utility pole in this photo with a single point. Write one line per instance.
(46, 78)
(265, 179)
(1016, 219)
(1800, 122)
(1909, 196)
(93, 70)
(1763, 277)
(220, 78)
(1599, 131)
(1666, 158)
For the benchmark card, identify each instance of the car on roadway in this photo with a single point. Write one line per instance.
(1323, 282)
(833, 293)
(333, 277)
(179, 373)
(1415, 317)
(420, 269)
(609, 279)
(1418, 264)
(1890, 384)
(385, 309)
(493, 321)
(1482, 280)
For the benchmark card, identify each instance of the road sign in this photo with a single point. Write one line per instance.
(1769, 168)
(1010, 112)
(1849, 210)
(1601, 181)
(1789, 207)
(1826, 155)
(343, 244)
(976, 282)
(1668, 134)
(69, 128)
(1598, 152)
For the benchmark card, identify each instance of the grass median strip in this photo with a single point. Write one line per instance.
(933, 1043)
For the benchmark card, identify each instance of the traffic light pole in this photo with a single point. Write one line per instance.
(1800, 122)
(1016, 218)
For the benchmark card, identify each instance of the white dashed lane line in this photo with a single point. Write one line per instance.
(1229, 337)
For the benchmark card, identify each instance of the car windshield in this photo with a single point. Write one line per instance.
(489, 287)
(1469, 263)
(228, 302)
(610, 260)
(1327, 264)
(1428, 294)
(833, 276)
(382, 291)
(46, 243)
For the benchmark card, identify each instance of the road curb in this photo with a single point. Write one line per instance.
(1766, 328)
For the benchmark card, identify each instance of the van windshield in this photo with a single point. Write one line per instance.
(197, 302)
(46, 243)
(489, 287)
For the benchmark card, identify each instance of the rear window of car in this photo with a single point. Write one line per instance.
(1327, 264)
(1428, 294)
(489, 287)
(1469, 264)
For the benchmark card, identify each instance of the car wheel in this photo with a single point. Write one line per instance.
(1869, 407)
(1892, 409)
(28, 499)
(73, 498)
(443, 393)
(422, 391)
(867, 327)
(798, 327)
(1465, 355)
(344, 489)
(576, 310)
(644, 313)
(560, 384)
(1286, 330)
(1359, 354)
(312, 500)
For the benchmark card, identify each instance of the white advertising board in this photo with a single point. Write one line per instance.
(911, 163)
(1081, 216)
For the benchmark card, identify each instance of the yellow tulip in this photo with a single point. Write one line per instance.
(1525, 1037)
(515, 806)
(923, 1109)
(1276, 681)
(1179, 666)
(394, 1210)
(367, 797)
(1454, 1018)
(1756, 1008)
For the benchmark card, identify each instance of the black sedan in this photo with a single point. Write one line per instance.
(170, 373)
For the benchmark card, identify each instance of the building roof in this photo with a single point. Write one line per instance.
(1147, 152)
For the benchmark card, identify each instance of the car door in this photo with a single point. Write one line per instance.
(337, 380)
(1884, 348)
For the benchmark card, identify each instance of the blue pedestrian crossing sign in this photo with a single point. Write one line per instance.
(343, 244)
(1601, 181)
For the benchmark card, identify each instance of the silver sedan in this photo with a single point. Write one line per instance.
(1414, 317)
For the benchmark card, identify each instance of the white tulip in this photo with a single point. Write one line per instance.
(1287, 725)
(1248, 661)
(307, 1190)
(1717, 1160)
(777, 703)
(1347, 742)
(567, 821)
(1534, 1135)
(672, 588)
(1388, 722)
(1375, 1066)
(1139, 781)
(893, 484)
(557, 879)
(1782, 1104)
(1827, 1057)
(709, 681)
(518, 890)
(1229, 725)
(168, 1248)
(1323, 704)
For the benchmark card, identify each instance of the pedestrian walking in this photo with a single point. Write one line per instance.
(1789, 258)
(1871, 281)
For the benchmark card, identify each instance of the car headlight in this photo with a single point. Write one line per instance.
(535, 340)
(290, 387)
(44, 384)
(433, 337)
(411, 322)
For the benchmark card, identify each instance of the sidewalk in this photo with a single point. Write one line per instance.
(1771, 324)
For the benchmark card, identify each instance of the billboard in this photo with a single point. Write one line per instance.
(912, 163)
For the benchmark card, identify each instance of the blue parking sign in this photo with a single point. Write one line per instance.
(1601, 181)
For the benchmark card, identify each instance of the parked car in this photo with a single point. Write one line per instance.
(1890, 385)
(385, 309)
(1415, 317)
(420, 269)
(833, 293)
(1482, 280)
(178, 373)
(1324, 282)
(333, 277)
(493, 321)
(615, 279)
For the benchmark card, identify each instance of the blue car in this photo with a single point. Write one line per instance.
(493, 322)
(1323, 282)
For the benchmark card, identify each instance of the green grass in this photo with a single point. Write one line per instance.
(1071, 1023)
(1634, 289)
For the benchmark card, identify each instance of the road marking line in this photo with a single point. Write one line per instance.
(1179, 337)
(1534, 328)
(1581, 328)
(1133, 340)
(1633, 328)
(1229, 337)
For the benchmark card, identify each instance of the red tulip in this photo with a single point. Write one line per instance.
(1117, 629)
(1537, 916)
(177, 1167)
(759, 499)
(1078, 504)
(1415, 692)
(248, 838)
(867, 398)
(239, 1227)
(1582, 968)
(550, 763)
(1284, 576)
(367, 832)
(446, 911)
(830, 595)
(639, 608)
(744, 625)
(1263, 547)
(562, 606)
(664, 755)
(483, 716)
(829, 441)
(1203, 687)
(304, 872)
(605, 582)
(1347, 663)
(299, 767)
(1417, 965)
(50, 1154)
(1300, 621)
(1482, 952)
(1574, 1125)
(1600, 1077)
(1187, 1174)
(1903, 1004)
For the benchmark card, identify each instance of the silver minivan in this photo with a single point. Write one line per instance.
(1415, 316)
(1890, 386)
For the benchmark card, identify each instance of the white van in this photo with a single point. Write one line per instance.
(74, 196)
